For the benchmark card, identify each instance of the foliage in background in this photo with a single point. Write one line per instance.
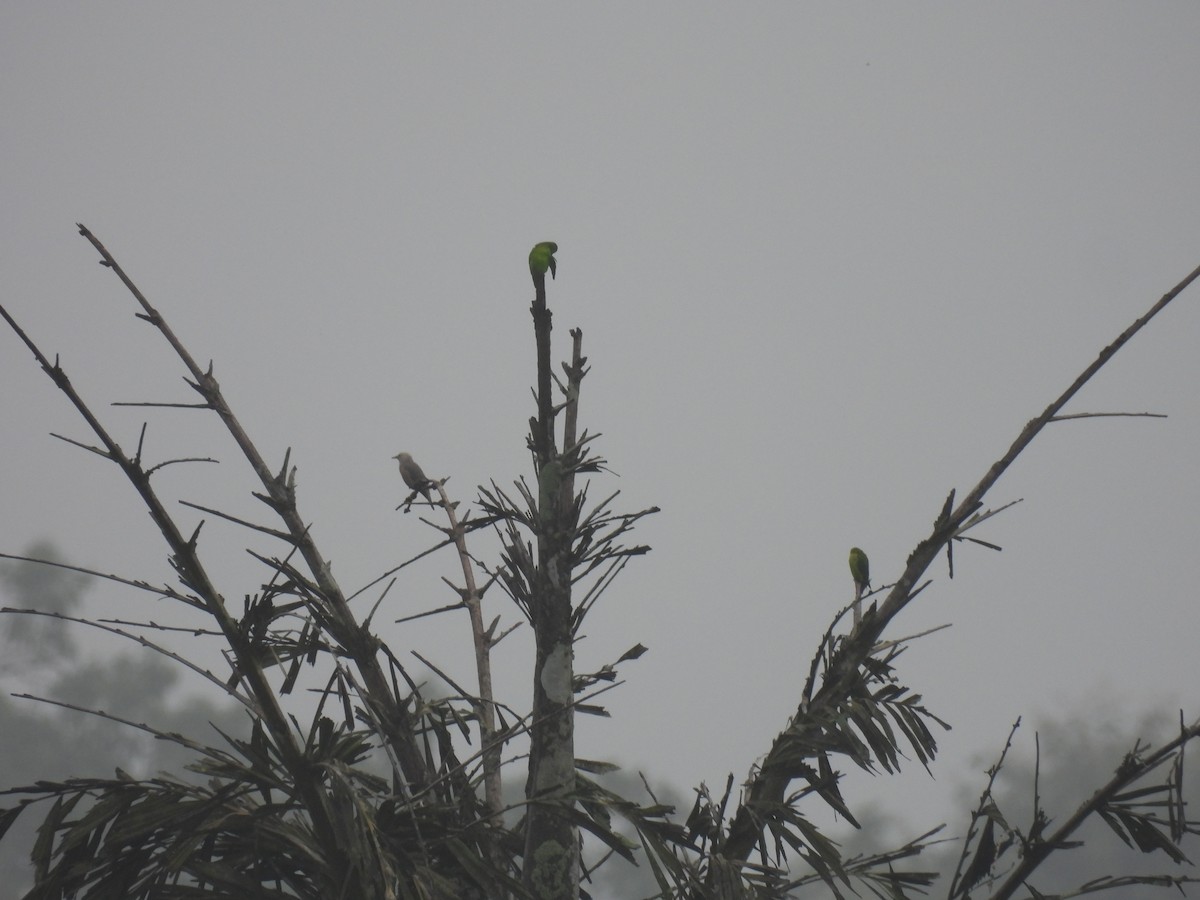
(47, 742)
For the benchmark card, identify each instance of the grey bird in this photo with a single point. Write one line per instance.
(412, 474)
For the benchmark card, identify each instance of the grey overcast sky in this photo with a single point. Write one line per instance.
(827, 259)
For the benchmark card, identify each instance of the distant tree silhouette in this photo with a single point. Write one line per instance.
(44, 742)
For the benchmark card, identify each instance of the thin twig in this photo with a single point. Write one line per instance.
(247, 702)
(1148, 415)
(162, 591)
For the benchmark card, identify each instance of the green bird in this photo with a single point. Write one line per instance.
(541, 258)
(860, 570)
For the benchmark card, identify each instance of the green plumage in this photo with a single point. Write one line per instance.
(860, 569)
(541, 258)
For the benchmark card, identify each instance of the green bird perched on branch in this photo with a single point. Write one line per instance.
(860, 571)
(541, 258)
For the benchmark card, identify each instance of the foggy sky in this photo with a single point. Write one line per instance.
(827, 260)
